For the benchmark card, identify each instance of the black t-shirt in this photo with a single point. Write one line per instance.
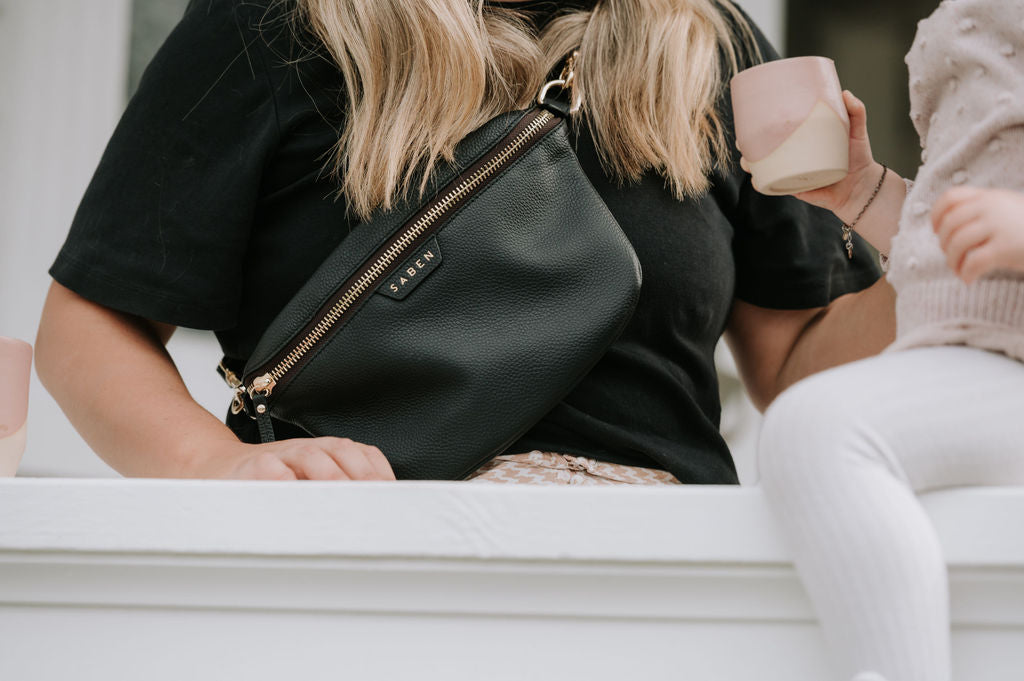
(211, 207)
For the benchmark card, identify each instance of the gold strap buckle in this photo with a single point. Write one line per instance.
(235, 383)
(565, 81)
(238, 401)
(230, 377)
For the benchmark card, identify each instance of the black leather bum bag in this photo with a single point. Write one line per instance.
(441, 332)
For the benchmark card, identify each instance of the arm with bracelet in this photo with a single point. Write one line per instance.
(870, 199)
(797, 344)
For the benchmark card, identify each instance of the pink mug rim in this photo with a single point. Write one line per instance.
(747, 73)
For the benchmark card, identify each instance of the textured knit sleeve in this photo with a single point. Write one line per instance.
(162, 229)
(966, 71)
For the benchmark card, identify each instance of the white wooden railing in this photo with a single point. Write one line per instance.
(152, 579)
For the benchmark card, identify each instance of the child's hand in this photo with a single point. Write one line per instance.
(980, 230)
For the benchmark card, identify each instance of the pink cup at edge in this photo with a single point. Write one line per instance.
(15, 372)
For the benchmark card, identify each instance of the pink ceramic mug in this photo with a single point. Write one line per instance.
(15, 369)
(791, 125)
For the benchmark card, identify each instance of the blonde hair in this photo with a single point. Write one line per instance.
(421, 74)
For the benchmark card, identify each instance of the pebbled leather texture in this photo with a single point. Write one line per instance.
(537, 280)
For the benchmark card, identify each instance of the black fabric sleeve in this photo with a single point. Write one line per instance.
(162, 229)
(789, 254)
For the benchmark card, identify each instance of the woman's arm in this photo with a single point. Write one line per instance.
(113, 377)
(776, 348)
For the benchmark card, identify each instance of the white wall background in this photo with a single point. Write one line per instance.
(63, 69)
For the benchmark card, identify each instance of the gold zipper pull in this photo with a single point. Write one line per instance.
(262, 385)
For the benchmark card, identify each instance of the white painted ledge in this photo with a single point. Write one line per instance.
(110, 579)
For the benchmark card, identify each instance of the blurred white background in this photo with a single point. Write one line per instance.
(66, 68)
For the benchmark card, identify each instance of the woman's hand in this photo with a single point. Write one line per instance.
(851, 195)
(980, 230)
(322, 458)
(114, 379)
(848, 196)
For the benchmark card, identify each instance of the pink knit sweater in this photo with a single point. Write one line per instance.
(967, 103)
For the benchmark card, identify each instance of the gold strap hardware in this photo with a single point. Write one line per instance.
(237, 403)
(569, 70)
(235, 383)
(230, 377)
(565, 81)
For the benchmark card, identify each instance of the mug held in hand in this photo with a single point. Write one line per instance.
(791, 125)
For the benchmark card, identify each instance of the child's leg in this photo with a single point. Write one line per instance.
(841, 457)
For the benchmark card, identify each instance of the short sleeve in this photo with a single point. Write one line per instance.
(789, 254)
(162, 229)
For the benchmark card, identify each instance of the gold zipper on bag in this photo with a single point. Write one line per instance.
(264, 384)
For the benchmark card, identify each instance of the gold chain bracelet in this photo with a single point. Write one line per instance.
(848, 228)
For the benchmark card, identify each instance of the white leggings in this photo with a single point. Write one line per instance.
(842, 455)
